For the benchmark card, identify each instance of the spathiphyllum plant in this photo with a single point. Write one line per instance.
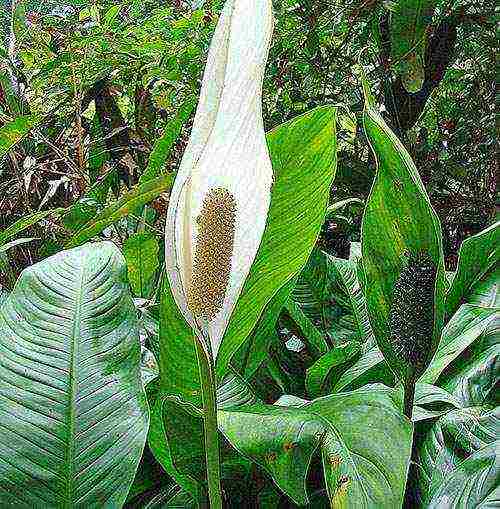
(221, 196)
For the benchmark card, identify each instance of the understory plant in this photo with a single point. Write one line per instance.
(241, 365)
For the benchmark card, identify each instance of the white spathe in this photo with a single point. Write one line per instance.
(227, 148)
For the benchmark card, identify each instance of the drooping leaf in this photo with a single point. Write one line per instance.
(129, 202)
(141, 254)
(477, 255)
(73, 414)
(365, 467)
(399, 230)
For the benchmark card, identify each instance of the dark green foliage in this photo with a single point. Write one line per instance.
(411, 319)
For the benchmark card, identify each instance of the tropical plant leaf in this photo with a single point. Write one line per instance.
(362, 470)
(477, 255)
(461, 331)
(452, 440)
(129, 202)
(25, 222)
(399, 224)
(141, 254)
(14, 131)
(474, 483)
(408, 31)
(486, 292)
(345, 271)
(317, 374)
(73, 414)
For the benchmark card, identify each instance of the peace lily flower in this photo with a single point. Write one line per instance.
(220, 199)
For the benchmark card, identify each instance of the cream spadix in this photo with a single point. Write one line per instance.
(220, 199)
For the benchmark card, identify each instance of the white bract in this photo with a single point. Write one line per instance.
(220, 199)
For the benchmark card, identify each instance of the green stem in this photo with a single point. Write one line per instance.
(208, 387)
(409, 396)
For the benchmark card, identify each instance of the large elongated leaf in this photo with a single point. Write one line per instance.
(73, 415)
(303, 156)
(399, 225)
(452, 440)
(129, 202)
(476, 256)
(461, 331)
(364, 441)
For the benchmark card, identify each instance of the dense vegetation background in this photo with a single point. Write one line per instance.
(105, 80)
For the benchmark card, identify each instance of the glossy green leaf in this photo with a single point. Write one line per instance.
(477, 255)
(398, 222)
(303, 154)
(468, 323)
(317, 374)
(408, 30)
(163, 146)
(365, 468)
(129, 202)
(141, 254)
(452, 440)
(73, 414)
(345, 272)
(486, 292)
(474, 483)
(14, 131)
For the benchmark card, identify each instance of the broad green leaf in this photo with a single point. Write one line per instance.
(14, 131)
(486, 292)
(345, 272)
(317, 374)
(370, 367)
(73, 414)
(474, 483)
(129, 202)
(477, 255)
(398, 223)
(303, 155)
(408, 30)
(141, 254)
(22, 224)
(468, 323)
(473, 376)
(453, 439)
(372, 464)
(316, 341)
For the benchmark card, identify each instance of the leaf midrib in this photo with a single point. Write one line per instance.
(71, 421)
